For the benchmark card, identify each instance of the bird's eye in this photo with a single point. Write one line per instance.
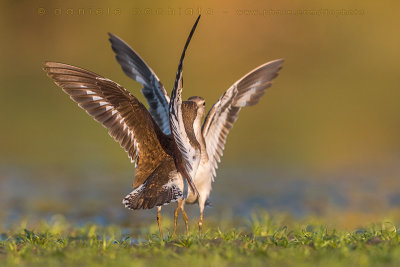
(204, 104)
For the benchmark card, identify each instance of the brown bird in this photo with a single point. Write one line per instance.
(220, 119)
(165, 161)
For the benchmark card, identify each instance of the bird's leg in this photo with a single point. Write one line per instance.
(184, 215)
(201, 205)
(159, 222)
(200, 222)
(176, 214)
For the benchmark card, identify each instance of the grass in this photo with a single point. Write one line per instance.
(265, 240)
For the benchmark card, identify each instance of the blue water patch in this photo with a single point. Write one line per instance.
(95, 195)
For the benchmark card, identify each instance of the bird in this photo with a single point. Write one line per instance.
(213, 133)
(220, 119)
(165, 160)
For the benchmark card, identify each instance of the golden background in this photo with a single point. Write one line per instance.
(332, 114)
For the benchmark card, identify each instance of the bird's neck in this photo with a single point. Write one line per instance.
(200, 138)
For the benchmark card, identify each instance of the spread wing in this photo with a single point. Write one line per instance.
(126, 119)
(245, 92)
(190, 154)
(135, 67)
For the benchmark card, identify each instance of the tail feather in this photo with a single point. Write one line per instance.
(133, 199)
(144, 197)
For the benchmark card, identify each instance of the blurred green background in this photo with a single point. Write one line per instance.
(330, 123)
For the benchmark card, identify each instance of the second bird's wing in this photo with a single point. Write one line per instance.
(190, 155)
(245, 92)
(135, 67)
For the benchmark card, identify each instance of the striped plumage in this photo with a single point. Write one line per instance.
(131, 125)
(220, 119)
(176, 155)
(190, 149)
(155, 93)
(164, 169)
(245, 92)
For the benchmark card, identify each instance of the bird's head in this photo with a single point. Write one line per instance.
(200, 104)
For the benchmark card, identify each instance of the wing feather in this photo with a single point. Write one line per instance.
(245, 92)
(135, 68)
(190, 154)
(126, 119)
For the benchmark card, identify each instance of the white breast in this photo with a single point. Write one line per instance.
(202, 181)
(203, 177)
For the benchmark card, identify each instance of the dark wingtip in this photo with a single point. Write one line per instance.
(190, 37)
(180, 66)
(111, 37)
(114, 39)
